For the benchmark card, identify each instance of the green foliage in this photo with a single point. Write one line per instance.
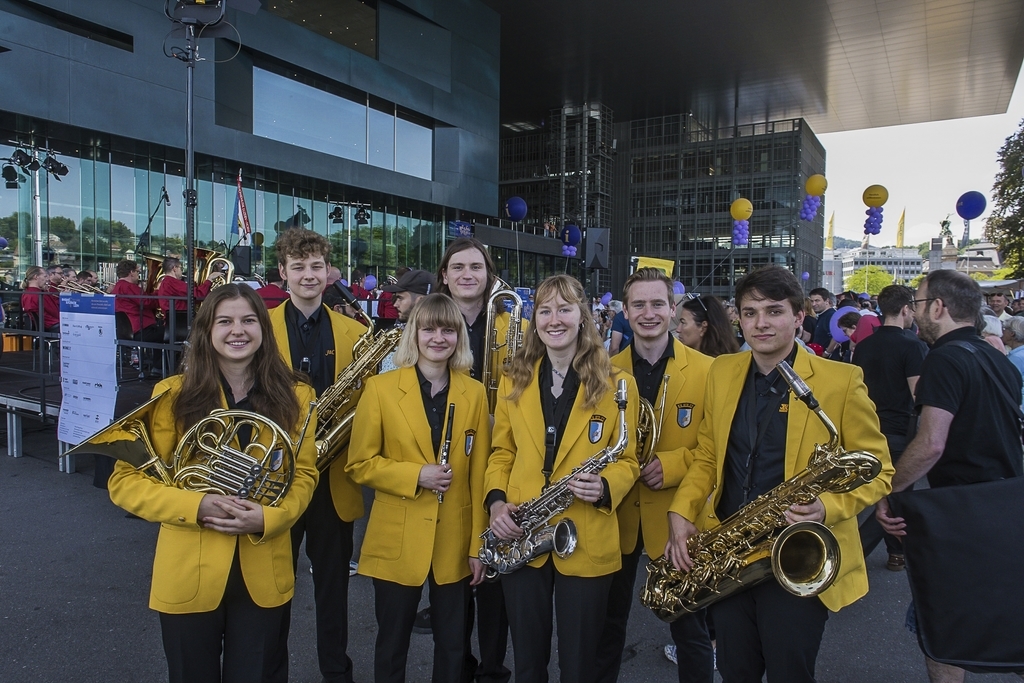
(916, 280)
(924, 248)
(1006, 225)
(875, 277)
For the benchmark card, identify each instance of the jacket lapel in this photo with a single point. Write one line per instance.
(579, 420)
(727, 404)
(530, 412)
(411, 404)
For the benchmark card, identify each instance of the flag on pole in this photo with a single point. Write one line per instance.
(899, 229)
(240, 220)
(664, 265)
(831, 231)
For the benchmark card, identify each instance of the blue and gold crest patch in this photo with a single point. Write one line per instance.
(276, 460)
(684, 414)
(596, 430)
(470, 433)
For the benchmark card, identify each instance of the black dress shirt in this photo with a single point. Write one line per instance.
(477, 340)
(755, 458)
(312, 345)
(648, 377)
(436, 408)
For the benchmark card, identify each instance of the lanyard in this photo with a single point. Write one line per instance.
(555, 412)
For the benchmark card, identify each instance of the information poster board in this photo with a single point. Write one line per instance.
(88, 365)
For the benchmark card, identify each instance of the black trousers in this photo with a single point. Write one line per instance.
(395, 607)
(329, 549)
(765, 629)
(491, 633)
(695, 656)
(251, 637)
(871, 532)
(580, 605)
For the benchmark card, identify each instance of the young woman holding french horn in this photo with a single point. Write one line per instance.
(421, 439)
(556, 410)
(222, 577)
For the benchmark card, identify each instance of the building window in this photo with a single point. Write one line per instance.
(352, 23)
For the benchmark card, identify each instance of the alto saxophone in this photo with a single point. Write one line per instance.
(539, 537)
(756, 542)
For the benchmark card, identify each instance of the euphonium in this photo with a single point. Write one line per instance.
(205, 459)
(336, 409)
(648, 428)
(539, 537)
(756, 542)
(500, 291)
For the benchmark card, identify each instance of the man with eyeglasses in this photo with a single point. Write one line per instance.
(968, 398)
(891, 359)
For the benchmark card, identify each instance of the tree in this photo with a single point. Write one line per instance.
(876, 278)
(1006, 225)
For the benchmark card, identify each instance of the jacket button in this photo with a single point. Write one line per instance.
(181, 519)
(637, 503)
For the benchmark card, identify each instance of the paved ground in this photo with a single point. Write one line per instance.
(74, 583)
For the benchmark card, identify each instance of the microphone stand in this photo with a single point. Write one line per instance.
(146, 235)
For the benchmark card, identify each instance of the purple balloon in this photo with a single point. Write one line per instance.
(805, 275)
(678, 287)
(571, 235)
(833, 324)
(606, 299)
(3, 242)
(515, 208)
(370, 282)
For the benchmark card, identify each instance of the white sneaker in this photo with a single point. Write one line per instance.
(670, 653)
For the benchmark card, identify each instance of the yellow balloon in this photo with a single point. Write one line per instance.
(876, 195)
(816, 185)
(741, 209)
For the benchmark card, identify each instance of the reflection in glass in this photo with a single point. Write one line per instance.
(415, 148)
(382, 139)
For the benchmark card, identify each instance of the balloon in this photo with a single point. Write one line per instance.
(805, 276)
(970, 205)
(344, 282)
(741, 209)
(816, 185)
(3, 242)
(606, 299)
(678, 287)
(817, 348)
(571, 235)
(515, 208)
(370, 282)
(833, 324)
(876, 195)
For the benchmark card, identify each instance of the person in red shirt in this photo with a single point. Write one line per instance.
(174, 285)
(272, 293)
(34, 288)
(54, 278)
(141, 311)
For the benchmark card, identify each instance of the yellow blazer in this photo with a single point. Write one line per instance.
(348, 498)
(684, 411)
(517, 460)
(840, 389)
(409, 532)
(191, 567)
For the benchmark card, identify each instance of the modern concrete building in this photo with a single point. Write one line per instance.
(903, 264)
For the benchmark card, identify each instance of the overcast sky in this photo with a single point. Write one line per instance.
(925, 167)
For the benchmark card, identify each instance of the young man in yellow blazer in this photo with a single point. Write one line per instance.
(671, 378)
(754, 437)
(317, 341)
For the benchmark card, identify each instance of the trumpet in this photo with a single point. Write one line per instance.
(205, 459)
(70, 284)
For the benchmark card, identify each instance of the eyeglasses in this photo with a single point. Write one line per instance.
(696, 297)
(931, 298)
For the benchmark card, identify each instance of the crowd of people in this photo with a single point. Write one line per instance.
(729, 432)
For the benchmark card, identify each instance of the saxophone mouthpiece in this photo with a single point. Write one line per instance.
(620, 395)
(799, 387)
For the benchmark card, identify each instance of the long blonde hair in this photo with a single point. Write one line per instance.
(434, 310)
(591, 363)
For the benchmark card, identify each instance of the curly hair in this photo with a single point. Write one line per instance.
(591, 363)
(299, 243)
(435, 310)
(201, 386)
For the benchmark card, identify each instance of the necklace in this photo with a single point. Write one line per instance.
(555, 370)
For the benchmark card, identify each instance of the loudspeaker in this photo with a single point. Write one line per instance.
(241, 256)
(597, 248)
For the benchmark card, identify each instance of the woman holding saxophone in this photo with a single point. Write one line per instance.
(556, 409)
(222, 576)
(427, 469)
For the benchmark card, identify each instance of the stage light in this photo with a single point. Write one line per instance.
(21, 158)
(10, 175)
(337, 215)
(54, 167)
(362, 217)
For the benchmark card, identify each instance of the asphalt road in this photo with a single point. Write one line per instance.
(74, 585)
